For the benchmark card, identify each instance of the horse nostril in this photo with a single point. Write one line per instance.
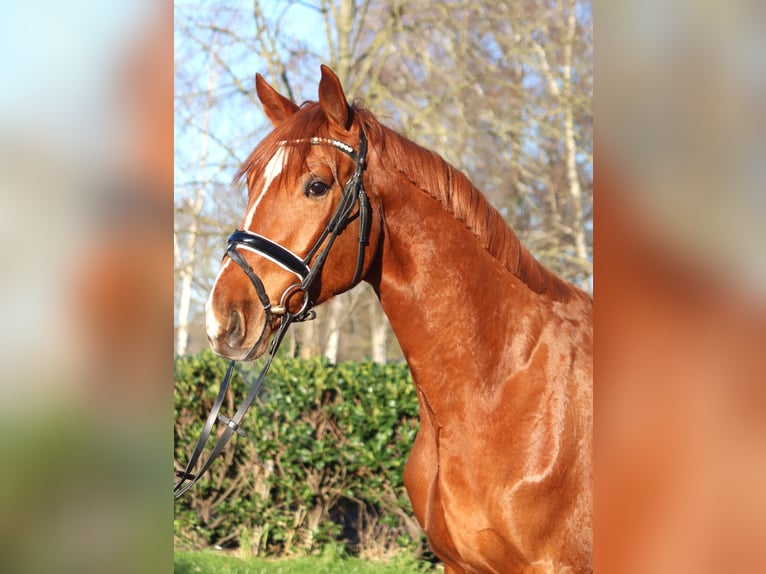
(237, 328)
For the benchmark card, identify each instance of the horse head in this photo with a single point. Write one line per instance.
(307, 233)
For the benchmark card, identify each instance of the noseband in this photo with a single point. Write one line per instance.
(306, 270)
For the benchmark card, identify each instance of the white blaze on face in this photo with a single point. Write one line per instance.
(212, 324)
(273, 169)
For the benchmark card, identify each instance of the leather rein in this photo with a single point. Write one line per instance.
(307, 270)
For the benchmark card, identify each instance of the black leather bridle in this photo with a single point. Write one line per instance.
(307, 270)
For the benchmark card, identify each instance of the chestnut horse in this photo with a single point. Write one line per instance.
(500, 349)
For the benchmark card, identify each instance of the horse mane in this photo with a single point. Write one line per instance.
(428, 172)
(431, 174)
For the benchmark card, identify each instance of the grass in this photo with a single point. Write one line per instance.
(211, 562)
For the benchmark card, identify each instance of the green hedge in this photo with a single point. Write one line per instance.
(322, 465)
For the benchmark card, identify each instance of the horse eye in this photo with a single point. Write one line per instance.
(317, 188)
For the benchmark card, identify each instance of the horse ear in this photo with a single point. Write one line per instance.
(333, 100)
(277, 107)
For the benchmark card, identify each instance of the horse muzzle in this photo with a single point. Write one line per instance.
(238, 331)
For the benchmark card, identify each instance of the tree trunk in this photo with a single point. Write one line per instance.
(570, 150)
(308, 340)
(333, 330)
(186, 271)
(379, 334)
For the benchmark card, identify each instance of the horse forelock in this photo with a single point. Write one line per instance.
(431, 174)
(308, 122)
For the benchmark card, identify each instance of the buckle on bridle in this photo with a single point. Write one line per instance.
(305, 313)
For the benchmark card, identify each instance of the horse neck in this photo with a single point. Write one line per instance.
(454, 306)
